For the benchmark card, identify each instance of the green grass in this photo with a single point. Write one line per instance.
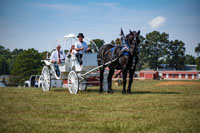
(150, 108)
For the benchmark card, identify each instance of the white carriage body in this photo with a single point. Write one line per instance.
(89, 59)
(71, 64)
(89, 62)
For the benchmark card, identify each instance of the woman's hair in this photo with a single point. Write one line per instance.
(72, 47)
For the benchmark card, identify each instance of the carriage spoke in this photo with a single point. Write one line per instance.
(46, 79)
(73, 82)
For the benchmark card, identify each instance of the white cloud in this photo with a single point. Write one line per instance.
(157, 22)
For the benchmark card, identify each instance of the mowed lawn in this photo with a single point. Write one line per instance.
(151, 108)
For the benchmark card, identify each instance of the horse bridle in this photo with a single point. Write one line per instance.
(134, 44)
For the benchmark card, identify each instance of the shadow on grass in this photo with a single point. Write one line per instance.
(59, 90)
(117, 91)
(150, 92)
(133, 92)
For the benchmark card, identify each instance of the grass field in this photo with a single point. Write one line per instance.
(151, 108)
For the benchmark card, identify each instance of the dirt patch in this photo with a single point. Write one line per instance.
(178, 83)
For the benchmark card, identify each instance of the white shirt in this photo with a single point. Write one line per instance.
(78, 44)
(54, 56)
(74, 51)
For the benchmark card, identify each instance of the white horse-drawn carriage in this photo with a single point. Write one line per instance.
(71, 70)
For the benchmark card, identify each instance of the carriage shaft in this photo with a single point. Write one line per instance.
(94, 69)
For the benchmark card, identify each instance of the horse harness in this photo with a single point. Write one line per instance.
(124, 51)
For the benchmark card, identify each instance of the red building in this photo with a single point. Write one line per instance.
(149, 74)
(170, 75)
(180, 75)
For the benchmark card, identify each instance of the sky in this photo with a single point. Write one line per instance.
(38, 23)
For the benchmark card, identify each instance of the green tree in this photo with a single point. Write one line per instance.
(176, 52)
(4, 56)
(15, 52)
(4, 52)
(197, 49)
(189, 59)
(198, 63)
(98, 42)
(3, 65)
(11, 61)
(27, 63)
(154, 49)
(44, 55)
(142, 56)
(118, 41)
(112, 42)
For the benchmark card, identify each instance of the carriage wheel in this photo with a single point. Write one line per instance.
(46, 79)
(73, 82)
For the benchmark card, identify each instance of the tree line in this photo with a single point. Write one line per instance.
(155, 49)
(20, 63)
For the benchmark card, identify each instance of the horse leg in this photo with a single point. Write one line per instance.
(124, 73)
(101, 79)
(131, 73)
(111, 72)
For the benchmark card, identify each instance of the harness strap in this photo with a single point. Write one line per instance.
(112, 50)
(124, 42)
(124, 50)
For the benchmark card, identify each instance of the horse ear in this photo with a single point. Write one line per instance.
(138, 32)
(130, 32)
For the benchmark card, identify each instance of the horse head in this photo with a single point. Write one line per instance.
(133, 41)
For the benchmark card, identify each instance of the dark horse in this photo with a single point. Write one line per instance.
(124, 62)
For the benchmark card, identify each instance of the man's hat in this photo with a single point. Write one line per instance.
(80, 35)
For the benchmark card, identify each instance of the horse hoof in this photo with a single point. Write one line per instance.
(123, 92)
(100, 91)
(110, 91)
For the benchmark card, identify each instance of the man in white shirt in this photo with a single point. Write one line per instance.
(80, 47)
(57, 57)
